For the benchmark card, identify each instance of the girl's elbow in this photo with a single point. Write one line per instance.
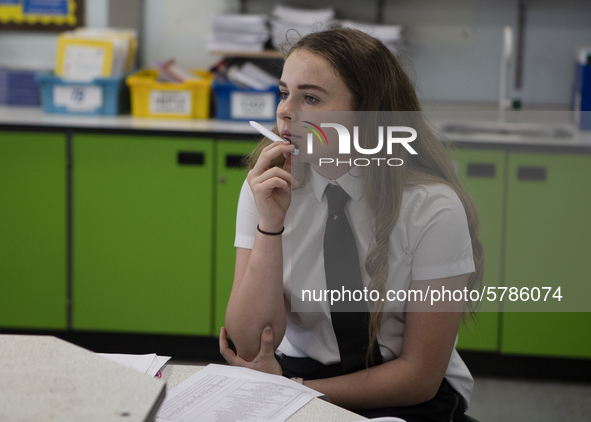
(246, 347)
(428, 390)
(422, 391)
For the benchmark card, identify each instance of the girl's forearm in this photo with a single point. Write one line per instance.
(394, 383)
(257, 298)
(414, 377)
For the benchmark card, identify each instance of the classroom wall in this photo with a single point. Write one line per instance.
(178, 29)
(467, 68)
(453, 48)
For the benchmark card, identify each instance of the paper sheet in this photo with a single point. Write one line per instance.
(225, 393)
(157, 363)
(146, 364)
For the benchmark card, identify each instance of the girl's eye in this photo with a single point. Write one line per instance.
(282, 95)
(311, 100)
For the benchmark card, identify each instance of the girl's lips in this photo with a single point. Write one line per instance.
(290, 136)
(287, 135)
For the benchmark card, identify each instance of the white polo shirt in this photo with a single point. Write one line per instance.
(430, 240)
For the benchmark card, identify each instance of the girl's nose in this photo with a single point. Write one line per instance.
(284, 109)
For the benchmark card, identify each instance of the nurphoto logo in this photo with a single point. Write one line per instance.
(344, 144)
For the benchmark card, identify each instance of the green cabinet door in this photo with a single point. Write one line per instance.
(230, 177)
(33, 231)
(142, 234)
(482, 174)
(548, 234)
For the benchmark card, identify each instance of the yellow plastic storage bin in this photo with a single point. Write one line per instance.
(150, 98)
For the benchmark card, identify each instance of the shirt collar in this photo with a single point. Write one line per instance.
(351, 182)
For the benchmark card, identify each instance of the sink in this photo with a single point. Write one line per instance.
(503, 131)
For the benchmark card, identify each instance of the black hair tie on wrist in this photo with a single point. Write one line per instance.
(269, 233)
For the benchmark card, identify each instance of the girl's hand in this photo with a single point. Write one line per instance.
(271, 187)
(265, 360)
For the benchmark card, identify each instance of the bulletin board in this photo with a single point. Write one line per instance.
(41, 15)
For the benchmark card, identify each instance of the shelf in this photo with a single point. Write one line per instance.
(266, 54)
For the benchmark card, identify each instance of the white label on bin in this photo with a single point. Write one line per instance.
(171, 102)
(252, 105)
(78, 97)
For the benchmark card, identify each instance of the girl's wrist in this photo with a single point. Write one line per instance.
(270, 227)
(277, 233)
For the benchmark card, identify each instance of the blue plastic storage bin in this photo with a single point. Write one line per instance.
(102, 96)
(582, 96)
(18, 87)
(235, 103)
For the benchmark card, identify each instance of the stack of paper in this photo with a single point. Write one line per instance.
(146, 364)
(249, 75)
(390, 35)
(288, 24)
(85, 54)
(237, 32)
(229, 393)
(171, 71)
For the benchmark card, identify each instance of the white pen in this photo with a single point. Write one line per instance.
(270, 135)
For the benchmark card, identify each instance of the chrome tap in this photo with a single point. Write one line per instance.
(506, 56)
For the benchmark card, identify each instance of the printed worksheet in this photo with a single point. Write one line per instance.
(225, 393)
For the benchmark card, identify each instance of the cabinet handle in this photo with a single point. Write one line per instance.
(481, 170)
(234, 161)
(536, 174)
(190, 158)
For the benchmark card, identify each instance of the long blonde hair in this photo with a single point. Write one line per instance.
(378, 83)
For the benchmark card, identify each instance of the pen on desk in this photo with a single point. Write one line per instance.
(273, 137)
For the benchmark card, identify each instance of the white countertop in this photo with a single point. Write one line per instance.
(439, 115)
(34, 116)
(535, 119)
